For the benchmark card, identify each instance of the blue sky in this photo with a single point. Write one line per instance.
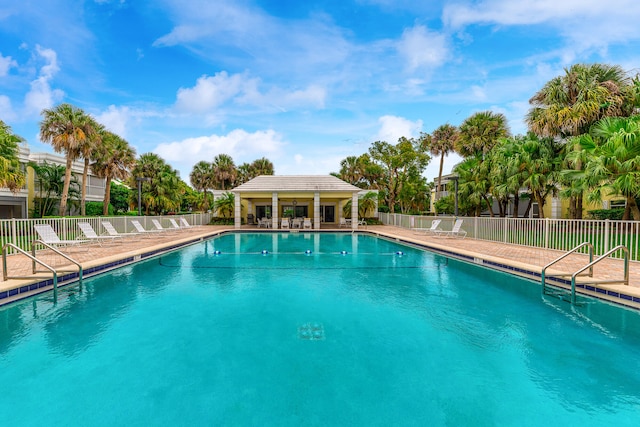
(303, 83)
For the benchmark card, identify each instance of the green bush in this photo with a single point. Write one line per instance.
(95, 208)
(222, 221)
(615, 214)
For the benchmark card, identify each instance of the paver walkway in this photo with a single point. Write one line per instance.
(532, 259)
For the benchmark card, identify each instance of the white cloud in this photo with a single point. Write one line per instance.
(6, 62)
(41, 95)
(393, 127)
(423, 49)
(585, 24)
(115, 119)
(212, 92)
(6, 110)
(239, 144)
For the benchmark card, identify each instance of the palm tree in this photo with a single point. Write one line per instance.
(480, 132)
(224, 171)
(612, 161)
(569, 104)
(93, 131)
(474, 183)
(201, 178)
(64, 128)
(261, 166)
(366, 203)
(225, 204)
(11, 175)
(162, 192)
(50, 180)
(114, 158)
(443, 141)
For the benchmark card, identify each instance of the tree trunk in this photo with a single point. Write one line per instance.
(516, 205)
(438, 189)
(579, 207)
(540, 201)
(85, 174)
(107, 197)
(526, 212)
(632, 206)
(65, 188)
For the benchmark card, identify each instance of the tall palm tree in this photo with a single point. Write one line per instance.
(480, 132)
(11, 175)
(443, 141)
(114, 158)
(261, 166)
(163, 191)
(612, 161)
(93, 131)
(569, 104)
(224, 171)
(201, 178)
(64, 128)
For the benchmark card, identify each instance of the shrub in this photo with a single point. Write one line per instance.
(615, 214)
(95, 209)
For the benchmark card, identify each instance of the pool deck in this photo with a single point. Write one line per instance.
(518, 260)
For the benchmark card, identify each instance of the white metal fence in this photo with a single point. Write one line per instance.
(560, 234)
(20, 232)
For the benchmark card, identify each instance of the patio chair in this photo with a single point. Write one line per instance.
(48, 235)
(159, 226)
(435, 227)
(306, 224)
(111, 230)
(90, 234)
(296, 223)
(456, 231)
(284, 223)
(140, 229)
(343, 223)
(175, 225)
(185, 224)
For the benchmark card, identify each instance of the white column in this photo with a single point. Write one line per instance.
(274, 210)
(316, 210)
(238, 211)
(354, 211)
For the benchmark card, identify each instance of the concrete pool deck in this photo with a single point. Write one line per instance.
(518, 260)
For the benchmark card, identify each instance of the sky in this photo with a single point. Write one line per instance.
(303, 83)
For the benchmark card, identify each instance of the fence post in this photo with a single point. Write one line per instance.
(475, 227)
(546, 233)
(606, 235)
(506, 228)
(14, 234)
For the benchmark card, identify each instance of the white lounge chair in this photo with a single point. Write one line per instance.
(175, 225)
(306, 224)
(111, 230)
(456, 231)
(90, 234)
(343, 223)
(284, 223)
(48, 235)
(435, 227)
(185, 224)
(140, 229)
(159, 226)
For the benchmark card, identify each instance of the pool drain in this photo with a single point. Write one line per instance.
(311, 332)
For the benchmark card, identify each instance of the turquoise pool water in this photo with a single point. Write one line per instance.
(369, 337)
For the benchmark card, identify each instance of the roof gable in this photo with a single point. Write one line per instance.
(274, 183)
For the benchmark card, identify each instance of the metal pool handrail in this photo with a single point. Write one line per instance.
(625, 280)
(544, 269)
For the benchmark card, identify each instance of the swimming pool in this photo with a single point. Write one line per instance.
(320, 329)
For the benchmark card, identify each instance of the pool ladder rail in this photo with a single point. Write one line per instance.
(587, 270)
(35, 262)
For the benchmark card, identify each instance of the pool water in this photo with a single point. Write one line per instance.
(321, 329)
